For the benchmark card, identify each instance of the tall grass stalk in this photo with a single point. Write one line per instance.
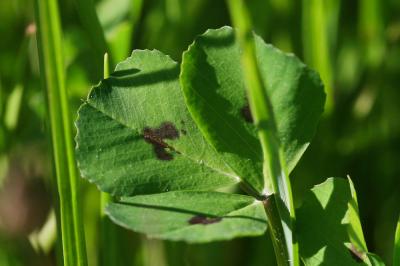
(279, 206)
(316, 44)
(53, 79)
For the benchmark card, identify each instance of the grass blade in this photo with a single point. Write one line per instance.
(276, 178)
(316, 44)
(396, 251)
(109, 233)
(372, 32)
(53, 79)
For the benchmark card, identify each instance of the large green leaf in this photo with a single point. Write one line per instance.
(191, 216)
(213, 85)
(329, 229)
(135, 134)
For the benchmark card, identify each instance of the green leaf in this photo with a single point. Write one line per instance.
(191, 216)
(135, 134)
(213, 85)
(326, 225)
(355, 229)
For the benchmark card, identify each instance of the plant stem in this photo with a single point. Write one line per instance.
(275, 229)
(276, 180)
(53, 79)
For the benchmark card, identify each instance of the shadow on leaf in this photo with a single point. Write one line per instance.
(322, 234)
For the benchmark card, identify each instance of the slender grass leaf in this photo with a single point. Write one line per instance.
(325, 226)
(49, 40)
(396, 251)
(135, 134)
(316, 43)
(191, 216)
(213, 85)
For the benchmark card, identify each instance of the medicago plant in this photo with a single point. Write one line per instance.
(170, 142)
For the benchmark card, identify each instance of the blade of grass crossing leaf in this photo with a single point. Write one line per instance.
(52, 74)
(109, 243)
(396, 251)
(276, 178)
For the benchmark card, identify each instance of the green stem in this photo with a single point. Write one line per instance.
(281, 212)
(53, 79)
(276, 230)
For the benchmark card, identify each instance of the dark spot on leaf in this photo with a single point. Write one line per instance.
(182, 122)
(357, 255)
(183, 132)
(156, 137)
(199, 219)
(246, 113)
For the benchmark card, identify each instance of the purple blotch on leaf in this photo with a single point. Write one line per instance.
(246, 113)
(199, 219)
(156, 137)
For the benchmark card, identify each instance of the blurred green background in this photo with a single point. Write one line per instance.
(355, 45)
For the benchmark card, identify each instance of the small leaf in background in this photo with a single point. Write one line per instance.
(212, 82)
(191, 216)
(135, 134)
(13, 107)
(329, 231)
